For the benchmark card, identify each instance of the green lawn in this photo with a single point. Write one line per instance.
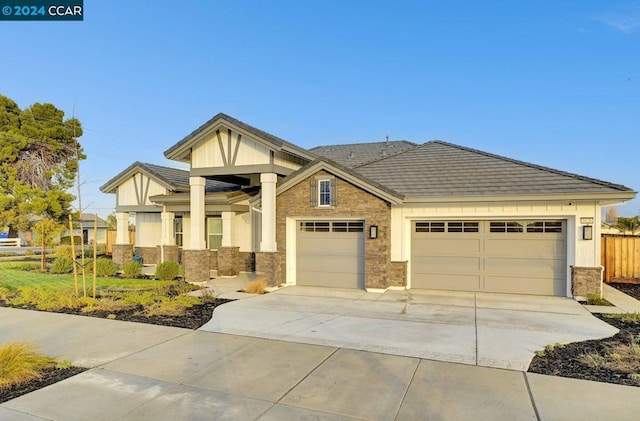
(12, 276)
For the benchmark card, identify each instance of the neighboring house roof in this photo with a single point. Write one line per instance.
(88, 220)
(440, 169)
(172, 178)
(357, 154)
(179, 149)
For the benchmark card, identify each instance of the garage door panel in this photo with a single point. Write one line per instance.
(537, 286)
(456, 282)
(537, 268)
(447, 264)
(327, 279)
(536, 248)
(339, 263)
(447, 246)
(331, 246)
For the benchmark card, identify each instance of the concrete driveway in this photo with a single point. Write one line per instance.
(483, 329)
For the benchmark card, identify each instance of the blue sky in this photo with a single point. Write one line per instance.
(552, 83)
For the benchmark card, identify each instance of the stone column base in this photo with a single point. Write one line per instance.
(121, 254)
(268, 267)
(168, 254)
(228, 261)
(586, 280)
(196, 266)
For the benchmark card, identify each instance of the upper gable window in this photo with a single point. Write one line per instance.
(324, 192)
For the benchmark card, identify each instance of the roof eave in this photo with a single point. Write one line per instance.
(601, 197)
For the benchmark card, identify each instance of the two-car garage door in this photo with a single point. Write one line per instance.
(513, 256)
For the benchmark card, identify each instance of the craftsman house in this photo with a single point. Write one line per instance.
(370, 216)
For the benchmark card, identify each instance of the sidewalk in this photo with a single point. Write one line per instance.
(146, 372)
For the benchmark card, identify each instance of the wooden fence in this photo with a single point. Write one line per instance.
(620, 257)
(111, 239)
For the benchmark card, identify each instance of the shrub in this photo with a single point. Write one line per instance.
(20, 363)
(67, 240)
(132, 270)
(597, 300)
(258, 286)
(64, 251)
(62, 265)
(167, 271)
(29, 252)
(106, 267)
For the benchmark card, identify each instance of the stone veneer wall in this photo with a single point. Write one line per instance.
(586, 280)
(352, 202)
(398, 274)
(247, 261)
(196, 265)
(228, 261)
(150, 255)
(213, 260)
(169, 253)
(269, 266)
(121, 254)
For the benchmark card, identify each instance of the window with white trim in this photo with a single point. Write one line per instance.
(177, 230)
(324, 192)
(214, 233)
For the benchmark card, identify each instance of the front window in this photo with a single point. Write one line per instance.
(177, 227)
(214, 233)
(324, 191)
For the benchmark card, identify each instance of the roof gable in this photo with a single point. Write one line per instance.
(173, 179)
(346, 174)
(440, 169)
(181, 151)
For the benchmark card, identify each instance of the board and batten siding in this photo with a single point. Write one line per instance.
(137, 190)
(579, 252)
(148, 229)
(222, 150)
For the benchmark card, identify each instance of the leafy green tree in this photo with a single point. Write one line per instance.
(631, 224)
(47, 233)
(39, 154)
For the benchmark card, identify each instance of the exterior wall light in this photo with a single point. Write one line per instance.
(373, 231)
(587, 232)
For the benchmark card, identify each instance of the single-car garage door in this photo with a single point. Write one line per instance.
(514, 256)
(330, 254)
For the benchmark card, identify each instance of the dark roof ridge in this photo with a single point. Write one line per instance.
(530, 165)
(363, 143)
(390, 156)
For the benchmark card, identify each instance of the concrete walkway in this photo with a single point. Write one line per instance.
(492, 330)
(145, 372)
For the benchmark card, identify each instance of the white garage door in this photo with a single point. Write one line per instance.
(330, 254)
(514, 256)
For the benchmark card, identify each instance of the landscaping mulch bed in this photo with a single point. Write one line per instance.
(193, 318)
(565, 361)
(49, 377)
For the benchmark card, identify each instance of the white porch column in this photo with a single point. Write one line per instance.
(122, 227)
(197, 228)
(168, 238)
(227, 228)
(268, 194)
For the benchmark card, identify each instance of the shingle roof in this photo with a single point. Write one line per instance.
(357, 154)
(443, 169)
(176, 178)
